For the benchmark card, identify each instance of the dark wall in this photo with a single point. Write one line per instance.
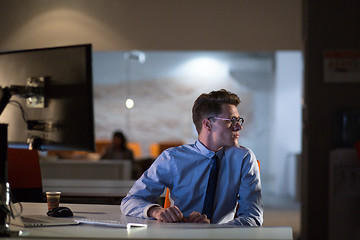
(328, 25)
(152, 25)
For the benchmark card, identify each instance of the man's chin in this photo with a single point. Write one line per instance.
(233, 143)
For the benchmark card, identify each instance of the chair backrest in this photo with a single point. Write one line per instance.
(24, 175)
(167, 202)
(157, 148)
(133, 146)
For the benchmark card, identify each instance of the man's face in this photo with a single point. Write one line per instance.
(224, 133)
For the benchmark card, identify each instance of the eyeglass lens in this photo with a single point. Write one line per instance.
(239, 120)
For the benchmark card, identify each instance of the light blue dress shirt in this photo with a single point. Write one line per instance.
(185, 171)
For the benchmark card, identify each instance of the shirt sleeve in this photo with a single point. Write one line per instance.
(147, 188)
(250, 209)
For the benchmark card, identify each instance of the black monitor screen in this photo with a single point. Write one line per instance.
(63, 117)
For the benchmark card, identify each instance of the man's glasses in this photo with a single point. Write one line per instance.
(233, 120)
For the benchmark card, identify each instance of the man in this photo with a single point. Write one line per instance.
(189, 171)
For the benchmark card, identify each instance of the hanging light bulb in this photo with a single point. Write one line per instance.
(133, 56)
(129, 103)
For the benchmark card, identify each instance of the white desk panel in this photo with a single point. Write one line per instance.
(155, 230)
(84, 187)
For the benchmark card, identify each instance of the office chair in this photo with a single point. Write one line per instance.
(24, 175)
(167, 202)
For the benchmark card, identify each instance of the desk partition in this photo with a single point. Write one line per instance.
(83, 181)
(85, 169)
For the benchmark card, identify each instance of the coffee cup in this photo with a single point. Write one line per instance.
(53, 199)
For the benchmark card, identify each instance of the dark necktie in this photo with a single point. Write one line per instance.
(211, 188)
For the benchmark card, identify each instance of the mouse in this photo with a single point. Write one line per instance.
(60, 212)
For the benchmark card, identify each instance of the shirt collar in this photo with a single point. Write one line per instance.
(205, 151)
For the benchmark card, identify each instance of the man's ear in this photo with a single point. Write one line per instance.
(207, 125)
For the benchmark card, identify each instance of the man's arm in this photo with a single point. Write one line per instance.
(146, 190)
(250, 210)
(140, 201)
(136, 205)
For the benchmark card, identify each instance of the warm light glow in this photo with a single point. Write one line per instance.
(129, 103)
(59, 26)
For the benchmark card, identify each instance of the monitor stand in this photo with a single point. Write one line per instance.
(4, 186)
(5, 200)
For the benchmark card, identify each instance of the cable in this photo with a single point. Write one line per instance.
(23, 113)
(6, 205)
(10, 211)
(13, 211)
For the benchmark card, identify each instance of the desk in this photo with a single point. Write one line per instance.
(105, 181)
(85, 169)
(89, 191)
(84, 187)
(155, 230)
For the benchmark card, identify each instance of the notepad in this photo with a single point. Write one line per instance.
(110, 223)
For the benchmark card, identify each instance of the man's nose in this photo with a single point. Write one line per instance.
(238, 127)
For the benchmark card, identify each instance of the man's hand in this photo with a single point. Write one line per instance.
(167, 215)
(173, 214)
(196, 217)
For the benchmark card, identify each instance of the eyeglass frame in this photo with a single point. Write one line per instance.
(233, 120)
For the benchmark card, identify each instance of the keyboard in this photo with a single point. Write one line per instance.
(110, 223)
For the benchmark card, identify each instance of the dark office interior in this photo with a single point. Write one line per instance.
(315, 28)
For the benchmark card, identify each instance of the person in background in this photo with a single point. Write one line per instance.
(211, 181)
(118, 148)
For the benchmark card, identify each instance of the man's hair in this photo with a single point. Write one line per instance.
(209, 104)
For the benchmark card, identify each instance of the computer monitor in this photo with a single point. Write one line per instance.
(63, 117)
(46, 103)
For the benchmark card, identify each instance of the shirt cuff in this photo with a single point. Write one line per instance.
(145, 214)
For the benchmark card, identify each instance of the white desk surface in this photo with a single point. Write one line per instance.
(155, 230)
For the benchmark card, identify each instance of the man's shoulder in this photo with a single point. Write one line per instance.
(184, 148)
(179, 156)
(238, 149)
